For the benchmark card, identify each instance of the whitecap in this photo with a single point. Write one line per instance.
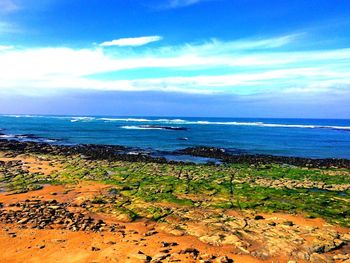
(271, 125)
(140, 128)
(82, 119)
(7, 136)
(126, 119)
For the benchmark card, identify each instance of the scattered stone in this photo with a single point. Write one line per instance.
(224, 259)
(142, 256)
(59, 240)
(169, 244)
(24, 220)
(346, 237)
(51, 214)
(341, 257)
(193, 251)
(159, 257)
(288, 223)
(165, 244)
(207, 257)
(151, 233)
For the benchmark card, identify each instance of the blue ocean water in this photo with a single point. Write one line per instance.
(314, 138)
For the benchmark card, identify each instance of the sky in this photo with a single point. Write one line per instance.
(229, 58)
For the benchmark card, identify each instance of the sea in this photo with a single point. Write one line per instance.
(311, 138)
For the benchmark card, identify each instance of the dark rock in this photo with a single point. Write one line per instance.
(165, 244)
(224, 259)
(113, 191)
(259, 159)
(288, 223)
(142, 256)
(151, 233)
(193, 251)
(45, 214)
(160, 256)
(118, 153)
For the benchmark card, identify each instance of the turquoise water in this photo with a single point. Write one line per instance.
(289, 137)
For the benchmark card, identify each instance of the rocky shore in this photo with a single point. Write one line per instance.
(49, 215)
(91, 203)
(227, 157)
(121, 153)
(88, 151)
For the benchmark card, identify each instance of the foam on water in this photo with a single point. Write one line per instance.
(26, 138)
(7, 136)
(272, 125)
(234, 123)
(125, 119)
(139, 128)
(184, 122)
(83, 119)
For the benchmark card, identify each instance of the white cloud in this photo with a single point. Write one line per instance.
(220, 67)
(135, 41)
(2, 48)
(170, 4)
(215, 46)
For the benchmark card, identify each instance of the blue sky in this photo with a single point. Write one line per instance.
(244, 58)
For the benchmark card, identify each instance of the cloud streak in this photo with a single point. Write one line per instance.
(3, 48)
(6, 28)
(172, 4)
(133, 42)
(207, 68)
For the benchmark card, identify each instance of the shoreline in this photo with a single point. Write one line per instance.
(123, 153)
(98, 203)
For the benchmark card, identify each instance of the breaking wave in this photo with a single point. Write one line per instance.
(82, 119)
(182, 122)
(26, 138)
(139, 128)
(272, 125)
(232, 123)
